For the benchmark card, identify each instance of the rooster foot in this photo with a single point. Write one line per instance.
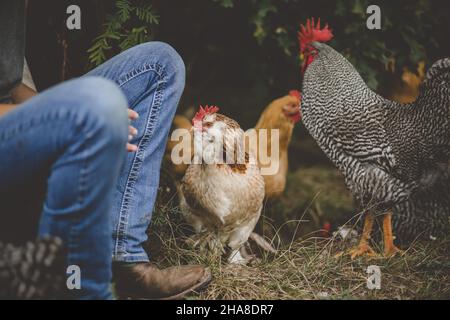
(363, 249)
(393, 251)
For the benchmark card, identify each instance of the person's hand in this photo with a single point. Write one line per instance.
(132, 131)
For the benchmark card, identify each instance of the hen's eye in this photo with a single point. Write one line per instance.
(207, 125)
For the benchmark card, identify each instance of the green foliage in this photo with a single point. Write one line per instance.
(406, 37)
(128, 26)
(263, 9)
(411, 32)
(225, 3)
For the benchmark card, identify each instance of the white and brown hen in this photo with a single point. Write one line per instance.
(222, 191)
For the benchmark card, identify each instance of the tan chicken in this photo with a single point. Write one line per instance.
(179, 122)
(281, 114)
(222, 192)
(406, 90)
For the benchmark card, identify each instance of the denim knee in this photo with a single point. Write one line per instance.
(169, 59)
(103, 107)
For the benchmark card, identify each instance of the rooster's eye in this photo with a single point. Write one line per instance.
(207, 125)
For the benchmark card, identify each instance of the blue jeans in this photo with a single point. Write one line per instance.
(72, 138)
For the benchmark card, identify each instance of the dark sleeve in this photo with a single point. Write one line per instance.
(12, 44)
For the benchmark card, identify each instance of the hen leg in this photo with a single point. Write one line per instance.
(363, 247)
(236, 257)
(237, 242)
(389, 248)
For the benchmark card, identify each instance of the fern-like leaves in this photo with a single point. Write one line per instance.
(128, 26)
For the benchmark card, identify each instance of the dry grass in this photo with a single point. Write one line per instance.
(308, 269)
(305, 266)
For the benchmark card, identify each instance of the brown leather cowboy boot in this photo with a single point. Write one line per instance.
(145, 281)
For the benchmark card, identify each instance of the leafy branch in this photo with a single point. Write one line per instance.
(128, 26)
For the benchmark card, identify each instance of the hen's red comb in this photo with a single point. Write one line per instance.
(202, 112)
(312, 32)
(295, 93)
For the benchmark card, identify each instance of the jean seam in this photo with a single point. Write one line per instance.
(155, 67)
(83, 171)
(119, 246)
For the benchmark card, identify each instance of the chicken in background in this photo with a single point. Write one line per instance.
(280, 114)
(406, 90)
(179, 122)
(222, 201)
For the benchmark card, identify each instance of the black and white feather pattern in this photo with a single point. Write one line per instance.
(392, 156)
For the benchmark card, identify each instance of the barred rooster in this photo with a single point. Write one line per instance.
(394, 157)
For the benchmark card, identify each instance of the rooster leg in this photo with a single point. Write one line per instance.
(363, 247)
(389, 248)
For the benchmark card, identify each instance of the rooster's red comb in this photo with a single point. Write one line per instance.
(312, 32)
(202, 112)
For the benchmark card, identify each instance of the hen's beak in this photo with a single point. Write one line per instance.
(198, 126)
(293, 113)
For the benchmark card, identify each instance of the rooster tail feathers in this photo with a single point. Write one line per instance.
(439, 71)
